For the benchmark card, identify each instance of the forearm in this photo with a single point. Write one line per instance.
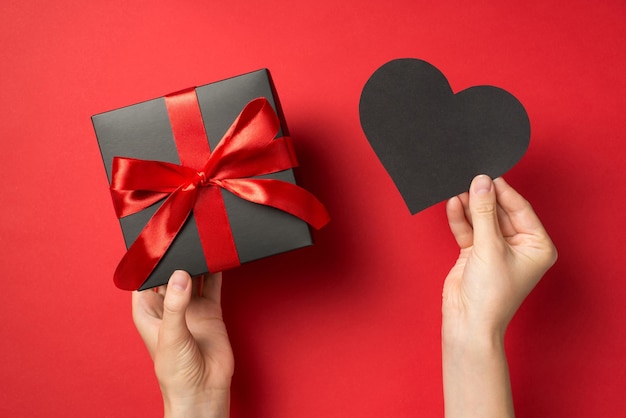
(476, 377)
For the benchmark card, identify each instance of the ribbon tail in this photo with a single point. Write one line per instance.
(154, 240)
(280, 195)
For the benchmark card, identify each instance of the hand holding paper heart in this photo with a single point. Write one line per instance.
(431, 141)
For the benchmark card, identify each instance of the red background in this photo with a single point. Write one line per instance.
(349, 327)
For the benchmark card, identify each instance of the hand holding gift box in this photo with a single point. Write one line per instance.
(196, 188)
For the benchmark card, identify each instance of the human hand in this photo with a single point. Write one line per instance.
(187, 340)
(504, 252)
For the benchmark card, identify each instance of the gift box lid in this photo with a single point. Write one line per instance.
(143, 131)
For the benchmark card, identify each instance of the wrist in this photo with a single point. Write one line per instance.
(475, 373)
(472, 346)
(463, 331)
(214, 405)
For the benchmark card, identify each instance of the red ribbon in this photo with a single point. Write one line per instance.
(247, 149)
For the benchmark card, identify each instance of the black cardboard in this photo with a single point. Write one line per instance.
(431, 141)
(143, 131)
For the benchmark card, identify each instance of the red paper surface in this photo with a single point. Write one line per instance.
(349, 327)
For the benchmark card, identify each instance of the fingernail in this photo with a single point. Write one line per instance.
(481, 184)
(178, 281)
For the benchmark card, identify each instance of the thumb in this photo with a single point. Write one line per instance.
(177, 297)
(484, 211)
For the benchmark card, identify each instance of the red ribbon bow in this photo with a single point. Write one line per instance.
(247, 149)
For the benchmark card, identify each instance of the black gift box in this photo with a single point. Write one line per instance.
(143, 131)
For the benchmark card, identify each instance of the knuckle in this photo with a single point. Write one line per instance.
(553, 254)
(485, 209)
(171, 305)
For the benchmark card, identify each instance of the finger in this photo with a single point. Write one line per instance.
(147, 309)
(198, 285)
(484, 211)
(212, 287)
(160, 290)
(519, 212)
(506, 227)
(146, 304)
(503, 218)
(174, 329)
(505, 223)
(464, 198)
(459, 225)
(525, 221)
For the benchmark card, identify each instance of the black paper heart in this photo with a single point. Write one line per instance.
(431, 141)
